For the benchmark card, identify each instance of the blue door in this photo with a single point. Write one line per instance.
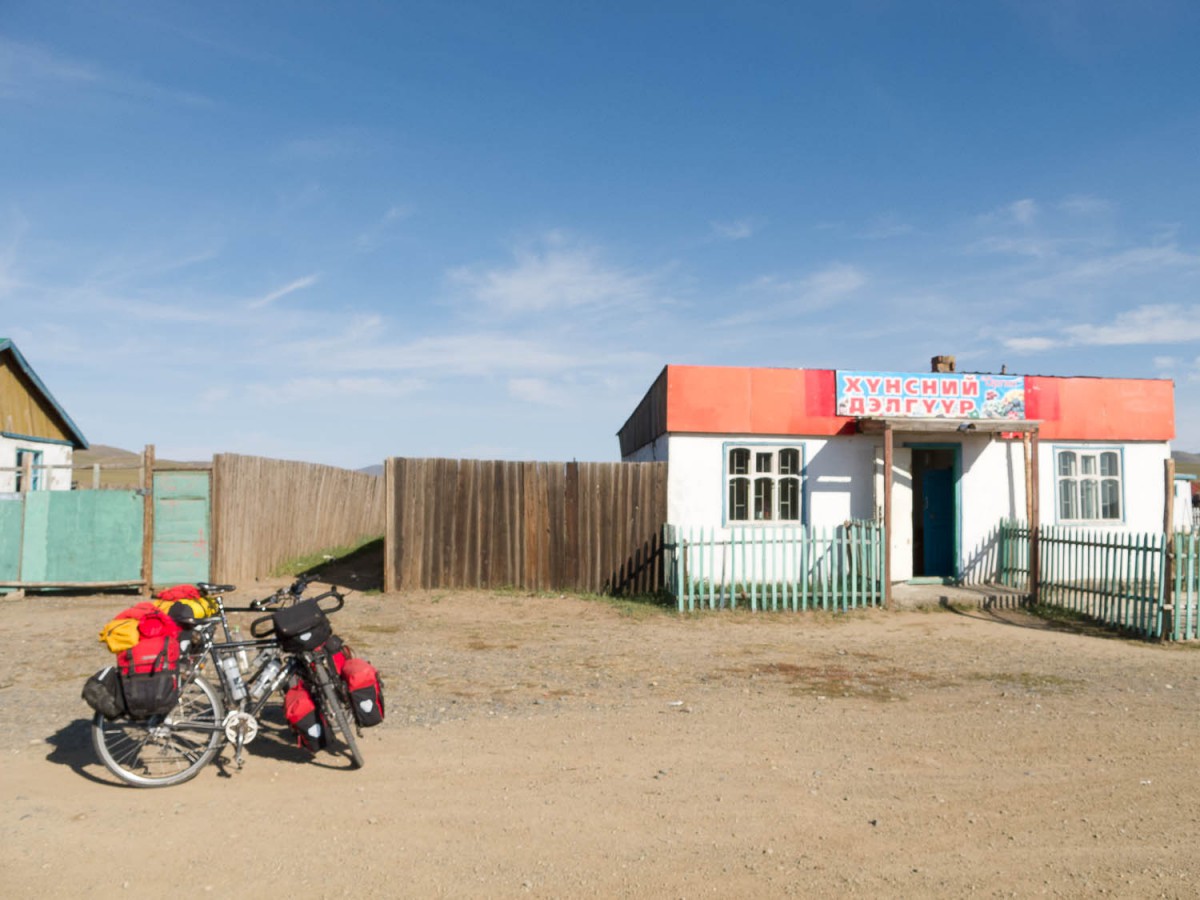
(937, 517)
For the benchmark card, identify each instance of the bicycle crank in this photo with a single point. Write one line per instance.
(240, 729)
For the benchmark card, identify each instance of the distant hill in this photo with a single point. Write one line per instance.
(1186, 463)
(118, 468)
(376, 469)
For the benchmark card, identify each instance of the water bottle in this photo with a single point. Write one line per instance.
(233, 678)
(243, 660)
(263, 682)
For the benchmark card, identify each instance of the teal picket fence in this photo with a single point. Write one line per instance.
(1110, 576)
(783, 568)
(1185, 588)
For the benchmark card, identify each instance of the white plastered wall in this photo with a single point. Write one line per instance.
(59, 455)
(840, 483)
(1143, 482)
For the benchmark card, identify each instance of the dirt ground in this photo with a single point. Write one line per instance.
(555, 746)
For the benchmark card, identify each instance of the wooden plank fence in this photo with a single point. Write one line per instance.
(267, 511)
(459, 523)
(1111, 576)
(777, 568)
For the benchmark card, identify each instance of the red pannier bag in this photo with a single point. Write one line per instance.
(304, 717)
(159, 644)
(179, 592)
(338, 652)
(366, 691)
(143, 657)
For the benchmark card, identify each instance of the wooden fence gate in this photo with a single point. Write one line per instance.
(593, 527)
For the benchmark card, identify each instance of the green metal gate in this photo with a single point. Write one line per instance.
(71, 538)
(181, 527)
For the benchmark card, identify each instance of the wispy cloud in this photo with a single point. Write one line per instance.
(737, 230)
(1020, 212)
(556, 274)
(279, 293)
(1085, 205)
(539, 391)
(1149, 325)
(27, 70)
(459, 354)
(302, 390)
(884, 226)
(790, 297)
(379, 232)
(31, 72)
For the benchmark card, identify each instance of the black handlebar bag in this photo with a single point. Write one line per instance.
(302, 626)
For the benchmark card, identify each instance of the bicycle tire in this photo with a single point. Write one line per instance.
(164, 750)
(337, 709)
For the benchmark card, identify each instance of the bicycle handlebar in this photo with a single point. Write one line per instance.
(264, 626)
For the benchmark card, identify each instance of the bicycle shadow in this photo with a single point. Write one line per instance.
(71, 746)
(275, 742)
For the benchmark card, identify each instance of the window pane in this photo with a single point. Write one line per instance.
(1066, 464)
(789, 462)
(739, 499)
(1089, 464)
(739, 461)
(1068, 500)
(789, 499)
(1090, 497)
(762, 462)
(763, 498)
(1110, 498)
(1110, 464)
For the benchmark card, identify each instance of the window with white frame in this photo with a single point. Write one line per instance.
(763, 483)
(34, 459)
(1088, 485)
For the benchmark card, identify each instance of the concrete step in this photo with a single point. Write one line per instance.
(967, 596)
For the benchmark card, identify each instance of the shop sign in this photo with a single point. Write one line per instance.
(939, 395)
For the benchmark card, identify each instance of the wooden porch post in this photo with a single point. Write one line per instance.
(1035, 523)
(887, 515)
(147, 518)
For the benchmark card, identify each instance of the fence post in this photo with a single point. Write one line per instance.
(887, 515)
(1167, 569)
(148, 518)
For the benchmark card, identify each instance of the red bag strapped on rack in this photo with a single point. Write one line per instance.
(179, 592)
(366, 691)
(304, 717)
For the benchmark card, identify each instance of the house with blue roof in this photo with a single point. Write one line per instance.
(38, 439)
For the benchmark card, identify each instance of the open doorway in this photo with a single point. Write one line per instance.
(935, 509)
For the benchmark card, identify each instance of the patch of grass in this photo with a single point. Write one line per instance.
(833, 680)
(1076, 622)
(639, 606)
(334, 555)
(1033, 682)
(479, 644)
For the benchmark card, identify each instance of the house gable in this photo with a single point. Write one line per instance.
(27, 409)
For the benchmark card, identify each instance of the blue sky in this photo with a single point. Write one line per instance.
(341, 232)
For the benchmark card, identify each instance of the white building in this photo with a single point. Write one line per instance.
(751, 447)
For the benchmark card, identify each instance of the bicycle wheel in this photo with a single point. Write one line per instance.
(337, 709)
(163, 750)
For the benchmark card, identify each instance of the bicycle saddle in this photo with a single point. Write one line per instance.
(209, 589)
